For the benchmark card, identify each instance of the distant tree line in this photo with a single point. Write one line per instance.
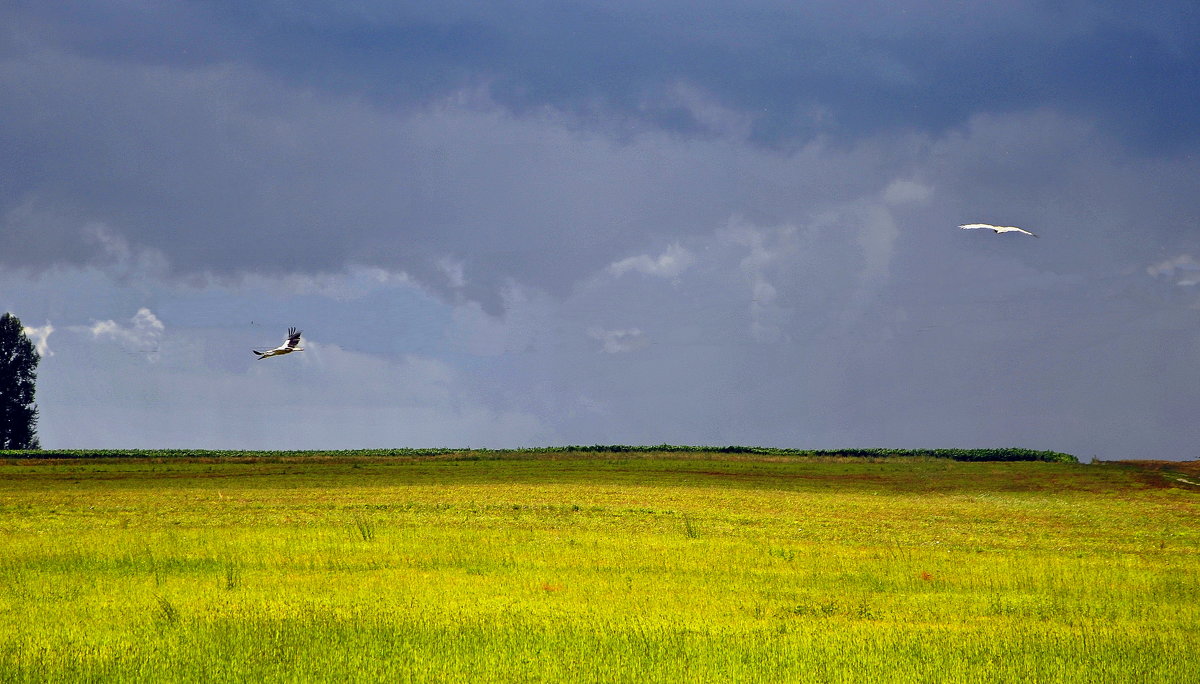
(994, 454)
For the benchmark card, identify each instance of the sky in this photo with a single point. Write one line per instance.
(523, 223)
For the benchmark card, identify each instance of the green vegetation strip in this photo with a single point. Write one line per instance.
(993, 454)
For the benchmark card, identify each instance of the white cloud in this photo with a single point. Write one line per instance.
(454, 271)
(670, 264)
(142, 334)
(1186, 265)
(352, 283)
(907, 192)
(767, 249)
(41, 337)
(618, 341)
(877, 238)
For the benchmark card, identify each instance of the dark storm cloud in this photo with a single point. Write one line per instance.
(798, 68)
(527, 141)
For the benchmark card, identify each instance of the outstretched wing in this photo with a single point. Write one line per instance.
(998, 229)
(289, 344)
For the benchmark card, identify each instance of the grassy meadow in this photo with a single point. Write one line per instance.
(597, 567)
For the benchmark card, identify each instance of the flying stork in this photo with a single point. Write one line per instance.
(998, 229)
(289, 345)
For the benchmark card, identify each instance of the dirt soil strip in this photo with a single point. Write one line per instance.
(1175, 472)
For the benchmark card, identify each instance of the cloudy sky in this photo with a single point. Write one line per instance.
(526, 223)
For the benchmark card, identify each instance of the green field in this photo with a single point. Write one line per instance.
(597, 567)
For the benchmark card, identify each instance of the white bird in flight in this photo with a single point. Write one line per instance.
(998, 229)
(288, 346)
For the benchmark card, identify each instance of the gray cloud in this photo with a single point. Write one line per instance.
(800, 69)
(233, 139)
(753, 209)
(102, 395)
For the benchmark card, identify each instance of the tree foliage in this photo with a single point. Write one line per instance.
(18, 373)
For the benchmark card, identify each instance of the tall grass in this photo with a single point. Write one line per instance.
(709, 569)
(364, 526)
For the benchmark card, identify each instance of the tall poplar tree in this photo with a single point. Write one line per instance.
(18, 372)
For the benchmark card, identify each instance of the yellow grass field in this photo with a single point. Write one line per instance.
(597, 568)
